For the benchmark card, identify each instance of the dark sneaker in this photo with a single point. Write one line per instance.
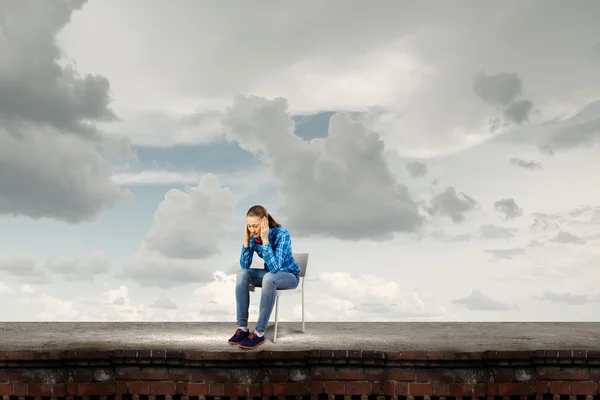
(238, 336)
(252, 341)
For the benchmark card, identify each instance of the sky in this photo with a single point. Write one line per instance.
(438, 161)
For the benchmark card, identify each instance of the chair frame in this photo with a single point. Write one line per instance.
(302, 261)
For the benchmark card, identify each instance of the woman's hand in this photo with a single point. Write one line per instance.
(247, 237)
(264, 230)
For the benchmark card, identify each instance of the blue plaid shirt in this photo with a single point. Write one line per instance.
(277, 254)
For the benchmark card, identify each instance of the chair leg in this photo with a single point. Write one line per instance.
(276, 318)
(303, 311)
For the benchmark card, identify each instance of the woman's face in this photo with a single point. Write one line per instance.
(253, 225)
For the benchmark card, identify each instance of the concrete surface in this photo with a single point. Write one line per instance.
(386, 336)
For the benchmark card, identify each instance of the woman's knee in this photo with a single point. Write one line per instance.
(268, 279)
(242, 276)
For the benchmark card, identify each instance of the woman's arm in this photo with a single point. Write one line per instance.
(274, 260)
(246, 255)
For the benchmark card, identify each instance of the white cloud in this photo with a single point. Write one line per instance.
(189, 224)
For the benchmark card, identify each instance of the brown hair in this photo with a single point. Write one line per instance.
(260, 211)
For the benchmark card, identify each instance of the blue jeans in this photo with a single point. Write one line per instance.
(269, 283)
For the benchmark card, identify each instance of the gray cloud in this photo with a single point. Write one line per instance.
(502, 90)
(325, 181)
(165, 303)
(416, 169)
(568, 298)
(577, 134)
(569, 238)
(496, 232)
(448, 203)
(509, 208)
(525, 164)
(477, 301)
(48, 164)
(506, 254)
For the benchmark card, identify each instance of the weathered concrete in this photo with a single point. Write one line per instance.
(383, 336)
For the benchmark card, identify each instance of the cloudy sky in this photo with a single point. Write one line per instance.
(439, 160)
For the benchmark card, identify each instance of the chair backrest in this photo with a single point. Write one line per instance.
(302, 261)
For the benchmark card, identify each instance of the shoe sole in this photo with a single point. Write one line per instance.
(251, 347)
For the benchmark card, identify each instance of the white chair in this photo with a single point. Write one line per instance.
(302, 261)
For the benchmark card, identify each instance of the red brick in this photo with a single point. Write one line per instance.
(460, 389)
(59, 390)
(420, 355)
(254, 390)
(434, 355)
(121, 387)
(215, 389)
(407, 355)
(358, 388)
(378, 388)
(235, 389)
(196, 389)
(212, 376)
(441, 389)
(154, 374)
(94, 388)
(19, 389)
(128, 373)
(435, 375)
(21, 375)
(377, 374)
(584, 388)
(492, 390)
(82, 375)
(402, 374)
(393, 355)
(565, 353)
(178, 374)
(163, 387)
(326, 373)
(542, 387)
(267, 389)
(6, 388)
(560, 387)
(447, 355)
(316, 386)
(139, 387)
(353, 374)
(70, 389)
(420, 389)
(401, 389)
(510, 389)
(285, 389)
(575, 373)
(39, 389)
(552, 373)
(389, 388)
(479, 390)
(334, 388)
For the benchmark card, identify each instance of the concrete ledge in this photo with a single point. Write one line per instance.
(435, 337)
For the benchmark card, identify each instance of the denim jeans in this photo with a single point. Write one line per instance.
(269, 283)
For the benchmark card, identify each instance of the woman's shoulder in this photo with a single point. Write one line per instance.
(280, 231)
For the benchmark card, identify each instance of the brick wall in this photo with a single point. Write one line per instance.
(312, 375)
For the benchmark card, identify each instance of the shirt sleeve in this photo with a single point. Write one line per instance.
(246, 255)
(274, 260)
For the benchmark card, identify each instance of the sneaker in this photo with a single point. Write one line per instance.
(238, 336)
(252, 341)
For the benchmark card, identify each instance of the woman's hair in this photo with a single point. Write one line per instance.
(260, 211)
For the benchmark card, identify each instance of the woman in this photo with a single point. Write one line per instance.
(273, 244)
